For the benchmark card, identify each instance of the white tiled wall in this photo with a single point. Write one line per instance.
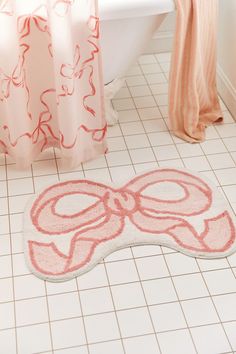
(142, 299)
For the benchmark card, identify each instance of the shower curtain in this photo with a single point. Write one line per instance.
(193, 99)
(51, 87)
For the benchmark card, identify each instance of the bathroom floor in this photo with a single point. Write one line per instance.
(145, 299)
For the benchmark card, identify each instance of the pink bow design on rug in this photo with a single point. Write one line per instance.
(105, 219)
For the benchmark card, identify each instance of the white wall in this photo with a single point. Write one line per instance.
(227, 54)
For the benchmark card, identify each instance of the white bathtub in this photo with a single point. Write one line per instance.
(126, 27)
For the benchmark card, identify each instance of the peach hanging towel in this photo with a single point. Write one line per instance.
(51, 85)
(193, 99)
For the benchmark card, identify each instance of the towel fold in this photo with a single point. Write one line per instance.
(193, 98)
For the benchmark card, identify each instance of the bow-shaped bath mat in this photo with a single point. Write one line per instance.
(71, 226)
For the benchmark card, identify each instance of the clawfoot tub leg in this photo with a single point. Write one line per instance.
(111, 90)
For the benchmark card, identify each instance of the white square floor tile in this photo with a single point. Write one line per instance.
(230, 143)
(130, 115)
(152, 267)
(190, 286)
(122, 272)
(135, 80)
(68, 333)
(199, 312)
(28, 286)
(220, 281)
(134, 322)
(159, 89)
(116, 143)
(59, 288)
(20, 186)
(213, 146)
(64, 306)
(226, 306)
(32, 339)
(17, 204)
(118, 158)
(142, 155)
(5, 267)
(2, 173)
(140, 91)
(120, 174)
(144, 102)
(7, 319)
(123, 104)
(226, 130)
(101, 328)
(162, 138)
(187, 150)
(161, 99)
(230, 329)
(97, 277)
(167, 152)
(167, 317)
(176, 342)
(198, 163)
(31, 311)
(131, 128)
(139, 345)
(95, 301)
(144, 167)
(180, 264)
(226, 176)
(112, 347)
(211, 264)
(158, 78)
(6, 292)
(3, 189)
(232, 260)
(8, 341)
(159, 291)
(230, 192)
(154, 125)
(219, 161)
(128, 296)
(150, 113)
(3, 206)
(210, 339)
(19, 265)
(101, 174)
(137, 141)
(97, 163)
(171, 163)
(5, 245)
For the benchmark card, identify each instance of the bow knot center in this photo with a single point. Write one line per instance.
(121, 202)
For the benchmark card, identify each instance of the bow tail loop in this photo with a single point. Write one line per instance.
(48, 260)
(185, 235)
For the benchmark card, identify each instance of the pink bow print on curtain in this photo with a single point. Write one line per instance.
(118, 217)
(51, 87)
